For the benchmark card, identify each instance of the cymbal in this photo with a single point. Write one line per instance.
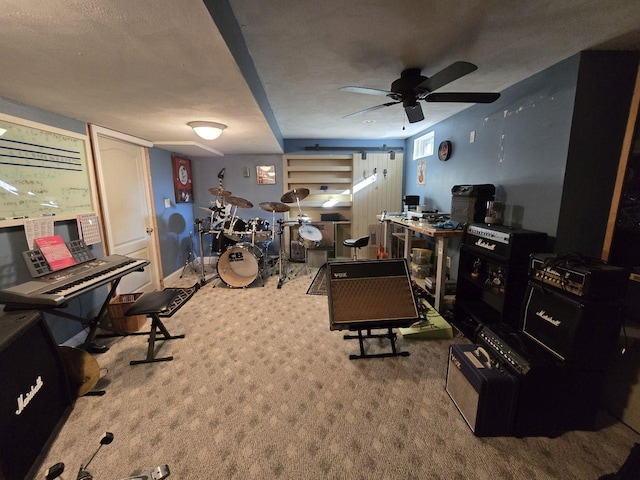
(274, 207)
(208, 209)
(220, 192)
(296, 194)
(83, 371)
(239, 202)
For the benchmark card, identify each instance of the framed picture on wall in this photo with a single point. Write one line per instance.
(422, 172)
(182, 179)
(266, 174)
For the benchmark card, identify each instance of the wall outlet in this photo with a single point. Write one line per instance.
(448, 262)
(472, 136)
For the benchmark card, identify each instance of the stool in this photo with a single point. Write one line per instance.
(152, 305)
(356, 244)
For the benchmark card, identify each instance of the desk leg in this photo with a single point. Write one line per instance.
(385, 236)
(441, 252)
(407, 244)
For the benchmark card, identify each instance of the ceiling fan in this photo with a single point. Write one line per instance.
(412, 86)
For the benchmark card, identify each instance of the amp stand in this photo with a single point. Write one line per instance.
(390, 335)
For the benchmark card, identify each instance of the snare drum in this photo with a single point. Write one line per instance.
(240, 265)
(259, 230)
(309, 236)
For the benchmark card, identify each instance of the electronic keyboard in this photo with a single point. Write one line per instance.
(56, 288)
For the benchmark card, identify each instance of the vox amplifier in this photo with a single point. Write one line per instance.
(370, 294)
(484, 395)
(510, 245)
(578, 275)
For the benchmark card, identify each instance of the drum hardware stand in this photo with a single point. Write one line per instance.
(190, 259)
(203, 279)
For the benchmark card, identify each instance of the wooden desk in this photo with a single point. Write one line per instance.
(441, 236)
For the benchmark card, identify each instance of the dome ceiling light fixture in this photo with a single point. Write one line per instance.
(207, 130)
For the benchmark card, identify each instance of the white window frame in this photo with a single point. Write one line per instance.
(423, 146)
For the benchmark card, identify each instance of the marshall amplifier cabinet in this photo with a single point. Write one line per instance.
(582, 276)
(509, 245)
(484, 395)
(579, 332)
(35, 398)
(469, 202)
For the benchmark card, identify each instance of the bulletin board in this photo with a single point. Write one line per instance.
(44, 171)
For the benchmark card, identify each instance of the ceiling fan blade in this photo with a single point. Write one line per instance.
(447, 75)
(466, 97)
(414, 113)
(371, 109)
(368, 91)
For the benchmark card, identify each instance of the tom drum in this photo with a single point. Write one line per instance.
(309, 236)
(234, 228)
(258, 229)
(240, 265)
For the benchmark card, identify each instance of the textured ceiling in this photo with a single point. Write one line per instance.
(147, 67)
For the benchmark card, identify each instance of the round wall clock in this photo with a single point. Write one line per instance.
(444, 150)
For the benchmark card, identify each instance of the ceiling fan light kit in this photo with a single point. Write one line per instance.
(412, 87)
(207, 130)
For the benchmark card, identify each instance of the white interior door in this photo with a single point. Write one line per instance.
(122, 170)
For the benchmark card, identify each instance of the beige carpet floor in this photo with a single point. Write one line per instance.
(260, 388)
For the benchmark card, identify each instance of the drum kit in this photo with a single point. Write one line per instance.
(242, 245)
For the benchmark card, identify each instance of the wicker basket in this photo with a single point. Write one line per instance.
(118, 306)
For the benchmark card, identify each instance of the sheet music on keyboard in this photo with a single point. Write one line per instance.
(38, 265)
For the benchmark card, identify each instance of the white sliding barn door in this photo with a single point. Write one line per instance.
(373, 195)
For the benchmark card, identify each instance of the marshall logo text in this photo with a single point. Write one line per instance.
(548, 318)
(24, 399)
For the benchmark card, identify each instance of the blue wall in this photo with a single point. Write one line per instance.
(521, 144)
(174, 223)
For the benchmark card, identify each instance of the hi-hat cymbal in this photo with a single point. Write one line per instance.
(239, 202)
(219, 192)
(274, 207)
(294, 195)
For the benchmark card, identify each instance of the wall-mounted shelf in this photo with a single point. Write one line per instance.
(335, 172)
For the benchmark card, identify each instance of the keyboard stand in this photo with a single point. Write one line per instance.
(99, 321)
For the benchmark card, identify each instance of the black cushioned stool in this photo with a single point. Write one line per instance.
(356, 244)
(152, 305)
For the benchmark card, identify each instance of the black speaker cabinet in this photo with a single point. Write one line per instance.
(584, 334)
(35, 398)
(366, 294)
(486, 397)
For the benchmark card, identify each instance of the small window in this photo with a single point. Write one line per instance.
(423, 146)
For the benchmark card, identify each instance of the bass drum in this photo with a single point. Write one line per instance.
(240, 265)
(310, 236)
